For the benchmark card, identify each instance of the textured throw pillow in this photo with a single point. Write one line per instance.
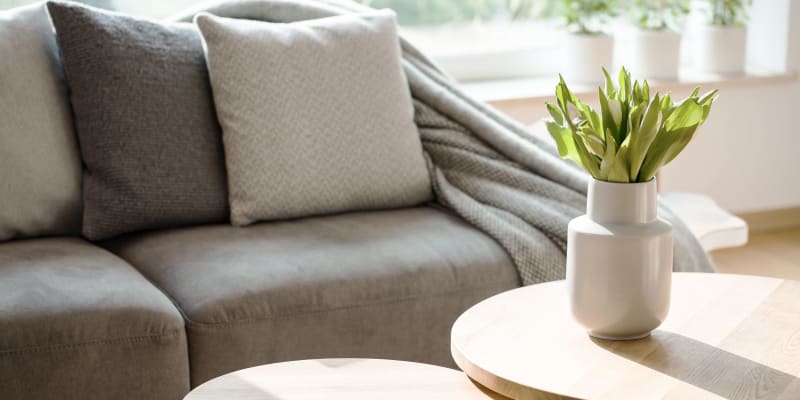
(40, 166)
(145, 119)
(316, 116)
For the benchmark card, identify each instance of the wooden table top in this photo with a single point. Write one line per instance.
(343, 379)
(726, 337)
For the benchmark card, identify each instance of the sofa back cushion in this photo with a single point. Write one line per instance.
(317, 116)
(145, 118)
(40, 167)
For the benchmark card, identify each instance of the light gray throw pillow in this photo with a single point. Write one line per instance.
(316, 116)
(40, 166)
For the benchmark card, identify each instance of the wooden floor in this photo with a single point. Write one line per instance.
(775, 254)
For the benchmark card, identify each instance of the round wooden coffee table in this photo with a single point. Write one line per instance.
(342, 379)
(726, 336)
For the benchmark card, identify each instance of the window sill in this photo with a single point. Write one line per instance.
(498, 92)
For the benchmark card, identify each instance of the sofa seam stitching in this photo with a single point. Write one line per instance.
(213, 325)
(97, 342)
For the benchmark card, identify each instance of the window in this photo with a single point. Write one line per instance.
(480, 39)
(471, 39)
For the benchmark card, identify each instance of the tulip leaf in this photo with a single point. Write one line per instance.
(640, 144)
(564, 141)
(593, 142)
(618, 171)
(605, 111)
(664, 150)
(588, 161)
(687, 114)
(609, 157)
(557, 115)
(612, 92)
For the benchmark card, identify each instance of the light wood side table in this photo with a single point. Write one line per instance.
(726, 337)
(342, 379)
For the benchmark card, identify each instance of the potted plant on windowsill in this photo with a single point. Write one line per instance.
(721, 44)
(585, 47)
(655, 41)
(619, 255)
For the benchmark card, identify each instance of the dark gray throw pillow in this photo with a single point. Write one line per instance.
(145, 120)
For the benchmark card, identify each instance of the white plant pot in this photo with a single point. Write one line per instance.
(619, 262)
(654, 54)
(720, 49)
(583, 55)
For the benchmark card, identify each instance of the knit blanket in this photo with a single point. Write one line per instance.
(485, 167)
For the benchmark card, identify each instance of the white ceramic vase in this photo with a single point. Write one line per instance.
(654, 54)
(582, 56)
(619, 261)
(720, 49)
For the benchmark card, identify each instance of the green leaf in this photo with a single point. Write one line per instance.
(708, 97)
(635, 119)
(707, 101)
(609, 122)
(640, 144)
(592, 140)
(683, 137)
(612, 92)
(624, 110)
(569, 96)
(591, 116)
(609, 157)
(564, 142)
(557, 115)
(624, 87)
(686, 114)
(588, 161)
(626, 80)
(618, 171)
(637, 93)
(663, 150)
(561, 97)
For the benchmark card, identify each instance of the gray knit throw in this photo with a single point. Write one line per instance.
(485, 167)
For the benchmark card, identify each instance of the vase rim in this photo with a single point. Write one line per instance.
(598, 181)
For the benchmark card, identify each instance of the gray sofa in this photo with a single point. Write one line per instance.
(149, 315)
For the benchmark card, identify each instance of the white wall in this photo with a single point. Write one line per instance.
(747, 156)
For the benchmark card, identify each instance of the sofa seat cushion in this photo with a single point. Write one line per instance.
(370, 284)
(78, 321)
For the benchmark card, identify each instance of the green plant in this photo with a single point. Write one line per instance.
(658, 14)
(585, 16)
(729, 12)
(632, 136)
